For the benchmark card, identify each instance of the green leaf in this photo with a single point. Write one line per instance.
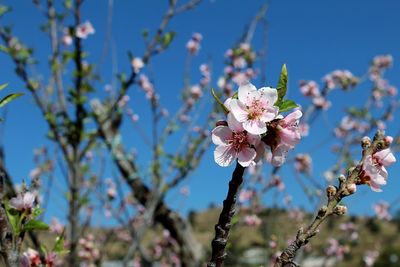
(3, 86)
(167, 38)
(13, 217)
(226, 110)
(68, 4)
(36, 211)
(282, 85)
(287, 105)
(3, 9)
(35, 225)
(59, 247)
(9, 98)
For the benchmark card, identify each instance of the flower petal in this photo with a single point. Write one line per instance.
(244, 91)
(293, 117)
(270, 114)
(238, 110)
(233, 124)
(246, 156)
(255, 126)
(279, 155)
(260, 150)
(269, 94)
(224, 155)
(385, 157)
(221, 135)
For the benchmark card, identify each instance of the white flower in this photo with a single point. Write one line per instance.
(254, 108)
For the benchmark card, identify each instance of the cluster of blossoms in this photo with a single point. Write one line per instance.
(137, 64)
(311, 89)
(303, 163)
(193, 45)
(342, 79)
(56, 227)
(239, 68)
(378, 65)
(348, 124)
(123, 101)
(382, 210)
(134, 116)
(82, 31)
(370, 257)
(147, 86)
(31, 258)
(252, 220)
(374, 172)
(350, 231)
(23, 202)
(253, 120)
(336, 249)
(111, 189)
(165, 250)
(88, 253)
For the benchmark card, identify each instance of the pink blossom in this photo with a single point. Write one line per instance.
(50, 259)
(303, 163)
(309, 88)
(23, 202)
(84, 30)
(245, 195)
(137, 64)
(123, 101)
(56, 226)
(289, 136)
(382, 210)
(321, 102)
(34, 173)
(233, 142)
(304, 129)
(66, 38)
(254, 108)
(374, 171)
(147, 86)
(252, 220)
(239, 78)
(335, 249)
(196, 92)
(193, 45)
(34, 257)
(277, 182)
(370, 257)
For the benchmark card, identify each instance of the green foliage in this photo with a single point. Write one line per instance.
(59, 246)
(35, 225)
(9, 98)
(225, 109)
(4, 9)
(281, 103)
(13, 217)
(282, 85)
(287, 105)
(166, 39)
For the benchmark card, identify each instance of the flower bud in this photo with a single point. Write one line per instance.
(388, 140)
(322, 211)
(342, 178)
(365, 142)
(330, 191)
(340, 210)
(351, 188)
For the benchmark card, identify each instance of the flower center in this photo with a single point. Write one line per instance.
(256, 109)
(239, 141)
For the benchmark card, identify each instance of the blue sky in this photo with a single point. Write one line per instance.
(312, 37)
